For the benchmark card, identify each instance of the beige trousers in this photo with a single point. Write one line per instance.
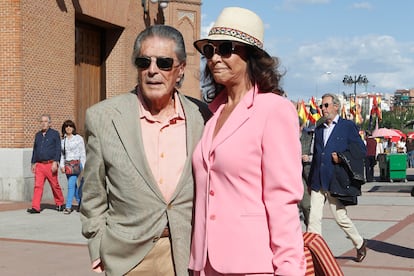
(157, 262)
(339, 212)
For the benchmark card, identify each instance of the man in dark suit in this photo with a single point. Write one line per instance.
(138, 193)
(332, 138)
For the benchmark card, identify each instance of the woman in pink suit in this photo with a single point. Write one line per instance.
(248, 162)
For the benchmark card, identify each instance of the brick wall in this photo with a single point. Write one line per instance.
(37, 56)
(11, 83)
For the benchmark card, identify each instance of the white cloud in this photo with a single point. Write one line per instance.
(362, 5)
(386, 62)
(206, 29)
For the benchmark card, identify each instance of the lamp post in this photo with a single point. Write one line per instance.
(348, 80)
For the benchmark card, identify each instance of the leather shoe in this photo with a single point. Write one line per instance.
(32, 211)
(60, 208)
(361, 252)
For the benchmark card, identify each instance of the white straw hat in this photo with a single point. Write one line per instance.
(235, 24)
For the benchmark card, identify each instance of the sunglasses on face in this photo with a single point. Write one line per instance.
(163, 63)
(224, 49)
(324, 105)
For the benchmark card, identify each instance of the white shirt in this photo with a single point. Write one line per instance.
(73, 148)
(328, 129)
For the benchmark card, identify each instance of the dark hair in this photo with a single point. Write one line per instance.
(66, 124)
(262, 70)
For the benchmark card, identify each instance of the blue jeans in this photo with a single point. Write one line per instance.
(410, 157)
(73, 190)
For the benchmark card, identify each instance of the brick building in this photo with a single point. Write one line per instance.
(61, 56)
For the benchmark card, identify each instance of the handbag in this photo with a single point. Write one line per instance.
(72, 167)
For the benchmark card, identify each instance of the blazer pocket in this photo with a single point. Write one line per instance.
(123, 232)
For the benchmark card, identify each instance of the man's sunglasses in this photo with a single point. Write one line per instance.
(163, 63)
(324, 105)
(224, 49)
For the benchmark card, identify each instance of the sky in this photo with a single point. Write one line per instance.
(318, 42)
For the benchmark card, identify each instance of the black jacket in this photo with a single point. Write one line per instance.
(348, 175)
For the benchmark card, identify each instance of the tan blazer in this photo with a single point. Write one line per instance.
(123, 212)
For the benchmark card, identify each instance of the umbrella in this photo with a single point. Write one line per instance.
(410, 135)
(385, 132)
(402, 134)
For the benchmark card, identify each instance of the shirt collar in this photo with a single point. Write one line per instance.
(334, 121)
(144, 112)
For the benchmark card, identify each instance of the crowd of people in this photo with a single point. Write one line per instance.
(172, 185)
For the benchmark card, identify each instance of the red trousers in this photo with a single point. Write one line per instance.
(43, 172)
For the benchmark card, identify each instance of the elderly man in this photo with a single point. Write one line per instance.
(45, 164)
(138, 193)
(335, 140)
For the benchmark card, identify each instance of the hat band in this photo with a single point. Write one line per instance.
(237, 34)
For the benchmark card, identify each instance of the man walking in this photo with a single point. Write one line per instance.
(45, 164)
(333, 139)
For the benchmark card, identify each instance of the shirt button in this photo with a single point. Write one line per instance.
(213, 217)
(211, 192)
(162, 155)
(161, 181)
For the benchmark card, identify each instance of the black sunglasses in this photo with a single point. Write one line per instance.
(324, 105)
(164, 63)
(224, 49)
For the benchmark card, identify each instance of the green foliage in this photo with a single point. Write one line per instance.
(396, 119)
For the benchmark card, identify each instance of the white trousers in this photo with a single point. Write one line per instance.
(339, 212)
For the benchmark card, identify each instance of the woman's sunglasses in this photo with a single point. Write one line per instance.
(224, 49)
(163, 63)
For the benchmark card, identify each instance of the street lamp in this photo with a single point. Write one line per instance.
(348, 80)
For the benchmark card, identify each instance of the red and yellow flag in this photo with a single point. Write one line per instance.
(302, 112)
(314, 112)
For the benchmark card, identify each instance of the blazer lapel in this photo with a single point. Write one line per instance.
(128, 126)
(194, 130)
(237, 118)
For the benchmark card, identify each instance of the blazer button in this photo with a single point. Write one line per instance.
(213, 217)
(211, 192)
(169, 206)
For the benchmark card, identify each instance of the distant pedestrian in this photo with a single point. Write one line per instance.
(371, 158)
(337, 171)
(306, 140)
(45, 164)
(73, 151)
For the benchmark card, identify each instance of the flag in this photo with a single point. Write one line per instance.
(379, 112)
(358, 117)
(314, 112)
(352, 106)
(376, 109)
(343, 112)
(303, 113)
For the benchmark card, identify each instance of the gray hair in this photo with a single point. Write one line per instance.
(47, 116)
(335, 100)
(163, 31)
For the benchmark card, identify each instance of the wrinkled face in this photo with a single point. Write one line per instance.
(44, 123)
(156, 81)
(229, 67)
(329, 109)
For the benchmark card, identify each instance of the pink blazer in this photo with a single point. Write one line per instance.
(248, 184)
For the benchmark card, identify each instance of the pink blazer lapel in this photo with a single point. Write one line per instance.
(237, 118)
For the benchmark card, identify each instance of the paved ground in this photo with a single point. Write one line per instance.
(50, 243)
